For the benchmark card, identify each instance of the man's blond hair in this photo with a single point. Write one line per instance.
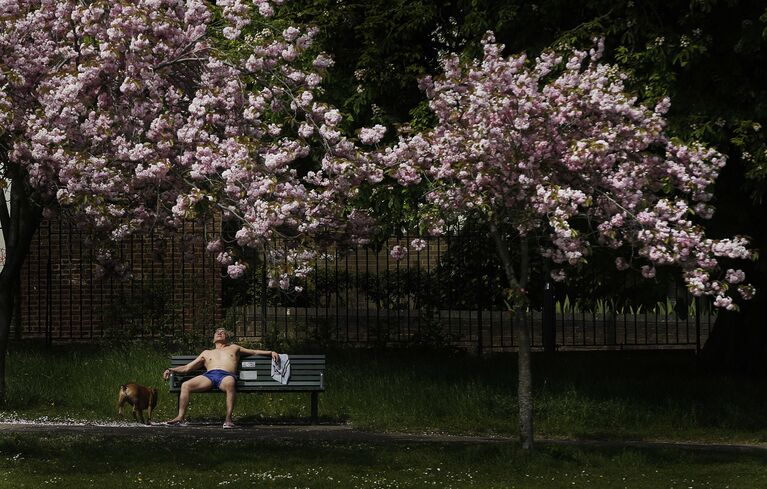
(229, 335)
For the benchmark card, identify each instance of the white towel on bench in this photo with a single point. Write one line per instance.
(281, 372)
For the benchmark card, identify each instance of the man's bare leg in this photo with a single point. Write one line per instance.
(228, 385)
(197, 384)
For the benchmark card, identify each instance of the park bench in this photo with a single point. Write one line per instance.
(307, 374)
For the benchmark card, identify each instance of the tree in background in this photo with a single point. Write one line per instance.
(560, 161)
(707, 55)
(137, 115)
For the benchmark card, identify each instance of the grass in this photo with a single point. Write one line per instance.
(634, 395)
(602, 307)
(637, 395)
(81, 462)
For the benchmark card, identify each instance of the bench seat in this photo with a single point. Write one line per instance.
(307, 374)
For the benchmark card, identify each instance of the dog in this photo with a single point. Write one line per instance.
(140, 397)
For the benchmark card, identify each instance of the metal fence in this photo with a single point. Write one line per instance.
(171, 285)
(442, 297)
(450, 294)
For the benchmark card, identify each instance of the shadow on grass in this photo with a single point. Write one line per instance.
(104, 461)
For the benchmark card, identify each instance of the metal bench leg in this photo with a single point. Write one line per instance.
(315, 396)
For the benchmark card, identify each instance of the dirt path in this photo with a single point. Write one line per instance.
(343, 434)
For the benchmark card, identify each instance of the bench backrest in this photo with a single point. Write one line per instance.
(307, 373)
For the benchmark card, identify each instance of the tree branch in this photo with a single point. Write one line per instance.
(503, 252)
(180, 57)
(165, 64)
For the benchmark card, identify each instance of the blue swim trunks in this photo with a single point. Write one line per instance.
(217, 375)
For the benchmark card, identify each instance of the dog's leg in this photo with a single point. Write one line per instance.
(141, 415)
(121, 400)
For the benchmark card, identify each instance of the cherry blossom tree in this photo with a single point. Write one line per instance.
(145, 114)
(561, 162)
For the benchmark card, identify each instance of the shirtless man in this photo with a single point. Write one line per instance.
(221, 365)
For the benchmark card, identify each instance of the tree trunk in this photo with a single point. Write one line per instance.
(518, 286)
(6, 316)
(525, 381)
(19, 226)
(525, 387)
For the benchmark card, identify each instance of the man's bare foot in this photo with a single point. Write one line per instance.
(176, 422)
(228, 425)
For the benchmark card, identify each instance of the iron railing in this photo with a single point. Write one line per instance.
(449, 294)
(364, 297)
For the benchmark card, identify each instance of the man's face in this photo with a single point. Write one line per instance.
(219, 336)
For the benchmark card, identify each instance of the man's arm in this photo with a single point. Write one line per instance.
(246, 351)
(195, 364)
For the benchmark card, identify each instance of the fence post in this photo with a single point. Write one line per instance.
(17, 306)
(48, 304)
(548, 318)
(480, 327)
(697, 325)
(264, 292)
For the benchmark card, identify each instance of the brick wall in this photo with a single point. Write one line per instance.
(171, 287)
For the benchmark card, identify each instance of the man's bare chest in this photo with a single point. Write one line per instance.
(224, 356)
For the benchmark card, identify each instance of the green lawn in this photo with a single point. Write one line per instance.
(649, 395)
(638, 395)
(82, 462)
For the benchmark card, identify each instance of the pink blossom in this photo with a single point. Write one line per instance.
(236, 270)
(568, 158)
(746, 291)
(723, 302)
(398, 252)
(332, 117)
(305, 130)
(558, 275)
(284, 281)
(322, 62)
(290, 34)
(735, 276)
(372, 135)
(215, 246)
(418, 244)
(648, 271)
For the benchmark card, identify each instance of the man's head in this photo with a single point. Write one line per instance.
(223, 336)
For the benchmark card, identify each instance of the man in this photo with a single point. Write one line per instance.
(221, 366)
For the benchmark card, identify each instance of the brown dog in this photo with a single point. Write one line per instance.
(140, 398)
